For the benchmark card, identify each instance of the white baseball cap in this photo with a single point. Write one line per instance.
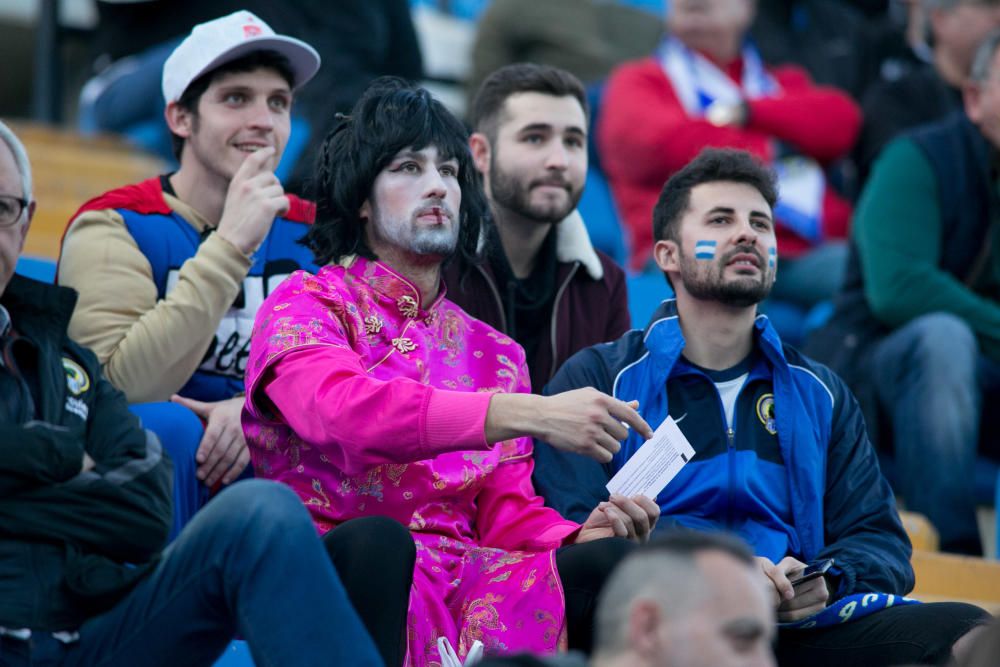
(225, 39)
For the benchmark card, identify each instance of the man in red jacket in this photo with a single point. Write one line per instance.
(707, 86)
(541, 281)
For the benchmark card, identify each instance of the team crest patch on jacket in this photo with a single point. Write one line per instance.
(77, 380)
(765, 413)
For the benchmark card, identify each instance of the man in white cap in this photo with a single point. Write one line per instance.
(171, 270)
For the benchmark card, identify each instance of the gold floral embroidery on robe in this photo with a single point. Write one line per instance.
(479, 615)
(403, 344)
(394, 471)
(323, 500)
(407, 306)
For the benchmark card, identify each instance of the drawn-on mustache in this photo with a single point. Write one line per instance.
(432, 209)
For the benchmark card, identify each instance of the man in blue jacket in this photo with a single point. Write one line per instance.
(782, 458)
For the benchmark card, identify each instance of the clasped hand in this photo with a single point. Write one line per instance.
(632, 518)
(222, 453)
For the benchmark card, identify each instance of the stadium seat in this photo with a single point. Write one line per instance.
(941, 577)
(601, 217)
(180, 431)
(237, 655)
(645, 292)
(39, 268)
(68, 169)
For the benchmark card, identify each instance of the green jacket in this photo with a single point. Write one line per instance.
(925, 240)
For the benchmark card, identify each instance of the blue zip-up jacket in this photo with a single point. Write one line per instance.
(841, 506)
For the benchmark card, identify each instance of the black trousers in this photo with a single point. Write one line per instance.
(919, 634)
(374, 557)
(583, 569)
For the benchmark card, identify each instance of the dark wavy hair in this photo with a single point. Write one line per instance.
(488, 104)
(710, 166)
(390, 116)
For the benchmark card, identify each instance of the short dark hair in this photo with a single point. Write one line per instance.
(665, 569)
(255, 60)
(520, 78)
(711, 166)
(690, 542)
(390, 116)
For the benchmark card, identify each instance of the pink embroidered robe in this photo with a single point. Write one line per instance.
(367, 403)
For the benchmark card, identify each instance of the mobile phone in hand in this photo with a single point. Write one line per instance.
(817, 569)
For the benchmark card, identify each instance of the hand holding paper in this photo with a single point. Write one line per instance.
(654, 464)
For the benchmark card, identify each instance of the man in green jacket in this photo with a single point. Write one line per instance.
(916, 330)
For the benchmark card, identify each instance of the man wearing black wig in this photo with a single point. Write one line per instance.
(372, 396)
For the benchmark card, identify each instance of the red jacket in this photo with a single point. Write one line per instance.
(645, 136)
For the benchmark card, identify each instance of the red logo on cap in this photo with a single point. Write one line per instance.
(251, 31)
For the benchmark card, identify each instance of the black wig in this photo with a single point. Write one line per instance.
(390, 116)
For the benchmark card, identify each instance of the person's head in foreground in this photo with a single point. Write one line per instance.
(714, 229)
(395, 182)
(228, 88)
(956, 28)
(16, 203)
(687, 599)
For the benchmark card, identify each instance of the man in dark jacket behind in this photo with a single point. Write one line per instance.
(85, 505)
(916, 329)
(541, 282)
(781, 457)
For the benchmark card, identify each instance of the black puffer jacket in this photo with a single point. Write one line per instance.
(66, 534)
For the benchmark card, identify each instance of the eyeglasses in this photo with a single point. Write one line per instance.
(11, 209)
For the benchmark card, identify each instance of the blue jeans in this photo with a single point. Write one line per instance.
(250, 563)
(930, 379)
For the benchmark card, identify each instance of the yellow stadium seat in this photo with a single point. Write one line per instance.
(942, 576)
(68, 169)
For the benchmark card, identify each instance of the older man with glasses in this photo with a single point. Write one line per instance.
(85, 505)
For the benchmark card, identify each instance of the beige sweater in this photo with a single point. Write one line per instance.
(149, 348)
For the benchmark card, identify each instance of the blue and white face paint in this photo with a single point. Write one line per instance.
(772, 257)
(704, 249)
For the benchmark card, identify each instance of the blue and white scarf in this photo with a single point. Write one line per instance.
(698, 82)
(850, 608)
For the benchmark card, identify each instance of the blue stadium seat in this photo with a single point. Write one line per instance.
(180, 431)
(597, 205)
(786, 318)
(645, 292)
(39, 268)
(237, 655)
(601, 217)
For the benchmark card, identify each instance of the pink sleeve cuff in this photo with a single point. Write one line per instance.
(560, 534)
(456, 420)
